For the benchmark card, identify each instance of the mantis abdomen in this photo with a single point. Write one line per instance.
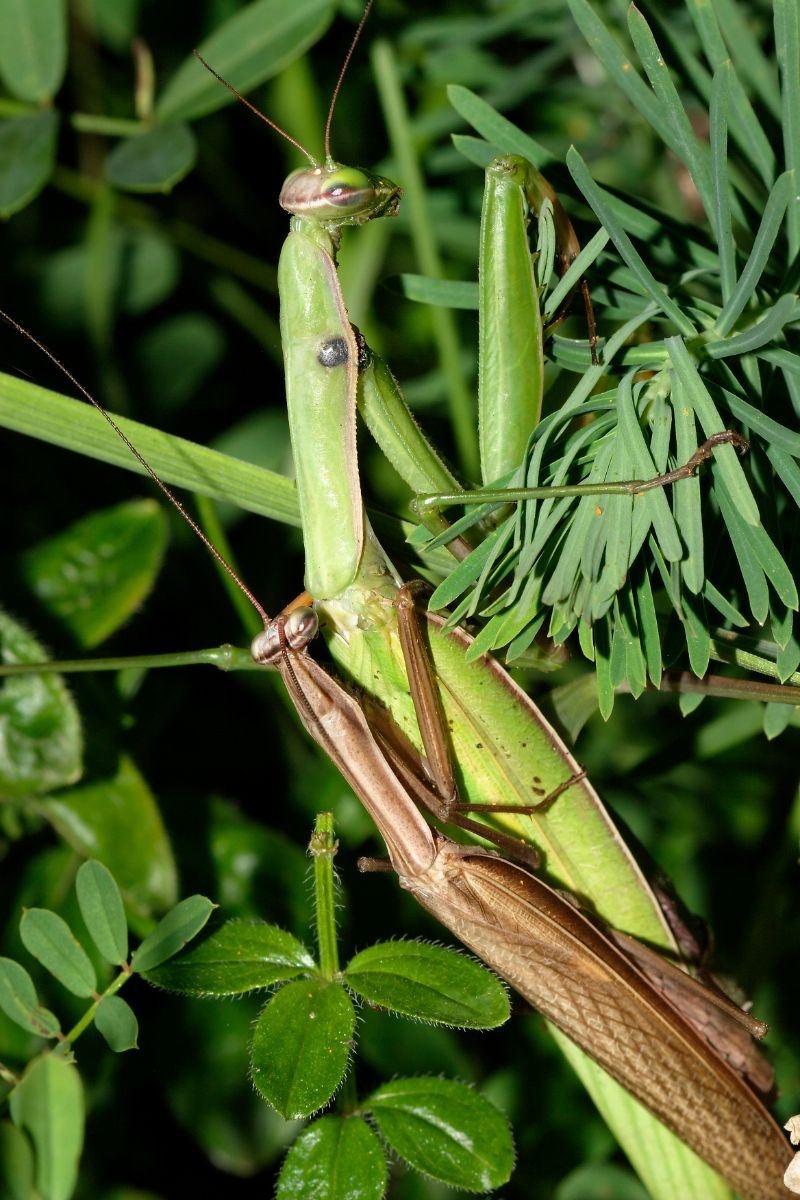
(559, 961)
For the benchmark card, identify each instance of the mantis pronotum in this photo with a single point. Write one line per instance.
(460, 886)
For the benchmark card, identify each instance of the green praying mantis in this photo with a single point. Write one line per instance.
(419, 695)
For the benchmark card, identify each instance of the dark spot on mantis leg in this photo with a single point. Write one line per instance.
(363, 352)
(332, 352)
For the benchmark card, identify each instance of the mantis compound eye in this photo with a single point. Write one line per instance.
(339, 195)
(301, 627)
(292, 632)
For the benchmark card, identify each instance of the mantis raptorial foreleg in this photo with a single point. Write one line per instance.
(433, 729)
(626, 487)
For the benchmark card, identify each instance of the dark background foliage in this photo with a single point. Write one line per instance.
(189, 343)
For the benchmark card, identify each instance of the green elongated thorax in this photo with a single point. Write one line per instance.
(319, 352)
(510, 329)
(320, 359)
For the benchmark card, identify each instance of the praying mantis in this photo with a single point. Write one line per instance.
(358, 596)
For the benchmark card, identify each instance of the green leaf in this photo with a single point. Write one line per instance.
(33, 47)
(153, 161)
(48, 937)
(760, 333)
(599, 201)
(720, 183)
(173, 931)
(103, 911)
(177, 356)
(336, 1158)
(301, 1046)
(787, 50)
(776, 719)
(430, 983)
(687, 146)
(95, 575)
(600, 1181)
(75, 425)
(18, 1000)
(27, 158)
(48, 1103)
(768, 230)
(113, 22)
(252, 46)
(16, 1163)
(238, 957)
(41, 746)
(726, 459)
(117, 821)
(448, 293)
(446, 1130)
(142, 269)
(497, 129)
(116, 1021)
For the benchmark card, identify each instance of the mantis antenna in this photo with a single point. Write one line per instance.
(257, 111)
(340, 80)
(157, 480)
(272, 124)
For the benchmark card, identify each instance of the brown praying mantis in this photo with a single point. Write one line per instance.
(625, 1007)
(683, 1049)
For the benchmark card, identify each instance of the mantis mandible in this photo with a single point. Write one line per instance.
(346, 571)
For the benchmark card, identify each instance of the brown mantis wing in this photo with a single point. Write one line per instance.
(553, 955)
(561, 963)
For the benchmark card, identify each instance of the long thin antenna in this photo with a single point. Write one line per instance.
(257, 111)
(157, 480)
(340, 80)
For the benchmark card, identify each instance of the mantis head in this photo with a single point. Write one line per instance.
(339, 195)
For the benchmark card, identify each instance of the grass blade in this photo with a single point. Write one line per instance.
(598, 200)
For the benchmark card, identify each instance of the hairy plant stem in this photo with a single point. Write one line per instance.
(322, 848)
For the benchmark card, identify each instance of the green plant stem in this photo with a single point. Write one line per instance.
(323, 847)
(224, 658)
(462, 411)
(108, 126)
(87, 1018)
(747, 659)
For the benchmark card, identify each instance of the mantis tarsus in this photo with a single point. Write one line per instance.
(460, 885)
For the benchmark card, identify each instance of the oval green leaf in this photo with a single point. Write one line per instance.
(446, 1130)
(600, 1181)
(48, 937)
(117, 821)
(260, 40)
(40, 734)
(48, 1102)
(94, 575)
(27, 158)
(178, 355)
(18, 1000)
(301, 1046)
(430, 983)
(33, 47)
(16, 1163)
(103, 911)
(336, 1158)
(172, 932)
(116, 1021)
(154, 161)
(238, 957)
